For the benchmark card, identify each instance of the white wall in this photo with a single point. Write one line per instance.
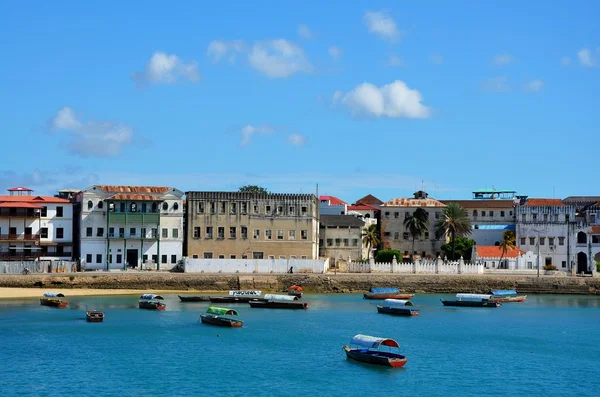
(255, 265)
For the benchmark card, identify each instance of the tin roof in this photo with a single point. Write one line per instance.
(412, 202)
(139, 197)
(544, 202)
(134, 189)
(493, 251)
(595, 229)
(472, 204)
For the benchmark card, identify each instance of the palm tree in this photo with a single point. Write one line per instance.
(509, 242)
(454, 222)
(370, 238)
(417, 224)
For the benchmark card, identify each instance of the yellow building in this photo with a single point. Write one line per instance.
(239, 225)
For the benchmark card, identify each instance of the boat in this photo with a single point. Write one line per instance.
(151, 302)
(94, 316)
(295, 290)
(386, 293)
(507, 295)
(397, 307)
(367, 349)
(194, 298)
(471, 300)
(52, 299)
(271, 301)
(216, 316)
(237, 297)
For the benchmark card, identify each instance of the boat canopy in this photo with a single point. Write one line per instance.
(383, 290)
(373, 341)
(245, 293)
(149, 297)
(295, 288)
(476, 297)
(398, 302)
(53, 295)
(221, 311)
(273, 297)
(503, 292)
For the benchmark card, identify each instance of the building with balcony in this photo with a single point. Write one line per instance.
(35, 227)
(129, 226)
(239, 225)
(340, 238)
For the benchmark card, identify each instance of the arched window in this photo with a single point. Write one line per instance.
(100, 204)
(581, 238)
(175, 207)
(165, 206)
(122, 207)
(111, 206)
(90, 204)
(133, 207)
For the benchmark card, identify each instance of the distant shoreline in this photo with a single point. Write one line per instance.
(103, 283)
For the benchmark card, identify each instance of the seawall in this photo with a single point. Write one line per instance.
(316, 283)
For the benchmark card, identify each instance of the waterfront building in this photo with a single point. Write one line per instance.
(395, 235)
(340, 238)
(129, 226)
(586, 233)
(239, 225)
(492, 257)
(330, 205)
(35, 227)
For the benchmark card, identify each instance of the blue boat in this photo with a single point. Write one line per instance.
(397, 307)
(386, 293)
(506, 295)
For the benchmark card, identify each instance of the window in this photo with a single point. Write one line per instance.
(279, 234)
(111, 232)
(529, 265)
(98, 258)
(592, 218)
(279, 210)
(426, 235)
(548, 261)
(256, 234)
(59, 211)
(201, 207)
(303, 257)
(292, 210)
(271, 256)
(502, 214)
(566, 217)
(355, 242)
(595, 239)
(564, 264)
(291, 234)
(144, 258)
(338, 242)
(255, 209)
(165, 207)
(111, 206)
(304, 234)
(231, 256)
(491, 213)
(163, 259)
(534, 216)
(396, 235)
(405, 236)
(542, 240)
(154, 232)
(89, 232)
(121, 232)
(281, 256)
(173, 259)
(60, 232)
(132, 232)
(196, 232)
(268, 234)
(195, 256)
(396, 215)
(474, 213)
(329, 242)
(88, 258)
(437, 215)
(90, 204)
(233, 208)
(165, 233)
(346, 242)
(209, 232)
(268, 209)
(550, 240)
(523, 240)
(100, 232)
(244, 209)
(531, 240)
(44, 232)
(221, 232)
(221, 256)
(222, 205)
(100, 204)
(120, 258)
(44, 212)
(122, 207)
(110, 259)
(175, 233)
(232, 232)
(555, 217)
(545, 217)
(303, 211)
(482, 213)
(561, 241)
(175, 206)
(154, 259)
(244, 232)
(320, 242)
(244, 256)
(386, 214)
(143, 232)
(133, 207)
(212, 208)
(523, 218)
(292, 256)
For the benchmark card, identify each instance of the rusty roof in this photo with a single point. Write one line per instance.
(138, 197)
(474, 204)
(544, 202)
(412, 202)
(134, 189)
(595, 229)
(370, 200)
(494, 251)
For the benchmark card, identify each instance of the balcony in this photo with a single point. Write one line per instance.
(19, 213)
(132, 236)
(18, 256)
(134, 218)
(19, 237)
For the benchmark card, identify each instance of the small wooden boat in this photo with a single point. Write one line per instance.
(151, 302)
(271, 301)
(52, 299)
(237, 297)
(507, 295)
(397, 307)
(216, 316)
(194, 298)
(471, 300)
(386, 293)
(295, 290)
(367, 349)
(94, 316)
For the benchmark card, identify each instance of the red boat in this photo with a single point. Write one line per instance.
(52, 299)
(151, 302)
(368, 350)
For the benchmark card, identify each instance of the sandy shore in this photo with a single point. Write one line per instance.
(12, 293)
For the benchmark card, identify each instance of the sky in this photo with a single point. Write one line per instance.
(350, 98)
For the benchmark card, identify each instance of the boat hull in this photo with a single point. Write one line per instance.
(232, 299)
(470, 303)
(505, 299)
(398, 311)
(278, 305)
(53, 302)
(373, 295)
(194, 298)
(152, 305)
(376, 357)
(295, 293)
(94, 317)
(221, 321)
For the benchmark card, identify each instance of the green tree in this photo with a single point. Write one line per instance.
(509, 242)
(253, 189)
(417, 224)
(370, 238)
(463, 246)
(387, 256)
(454, 223)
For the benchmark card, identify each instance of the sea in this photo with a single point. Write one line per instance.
(546, 346)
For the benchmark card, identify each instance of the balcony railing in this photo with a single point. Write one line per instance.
(7, 213)
(133, 236)
(21, 237)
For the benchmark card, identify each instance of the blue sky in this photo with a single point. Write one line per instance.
(358, 97)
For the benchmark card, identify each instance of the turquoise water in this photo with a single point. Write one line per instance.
(547, 346)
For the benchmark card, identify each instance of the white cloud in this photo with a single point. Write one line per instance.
(585, 58)
(249, 131)
(92, 138)
(217, 49)
(394, 100)
(496, 84)
(305, 32)
(502, 59)
(381, 24)
(297, 139)
(395, 60)
(534, 86)
(565, 61)
(335, 52)
(436, 58)
(163, 68)
(278, 58)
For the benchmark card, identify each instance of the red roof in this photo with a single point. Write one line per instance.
(332, 200)
(33, 199)
(595, 229)
(493, 251)
(544, 202)
(370, 200)
(19, 189)
(412, 202)
(362, 207)
(140, 197)
(19, 205)
(479, 203)
(134, 189)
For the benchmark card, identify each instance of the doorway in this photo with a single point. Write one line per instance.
(582, 263)
(132, 258)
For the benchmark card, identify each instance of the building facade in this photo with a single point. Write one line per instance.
(239, 225)
(35, 227)
(129, 226)
(341, 238)
(330, 205)
(586, 233)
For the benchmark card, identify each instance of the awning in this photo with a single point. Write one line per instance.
(473, 296)
(149, 297)
(53, 295)
(373, 341)
(503, 292)
(398, 302)
(221, 311)
(383, 290)
(273, 297)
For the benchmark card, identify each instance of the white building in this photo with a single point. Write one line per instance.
(130, 226)
(330, 205)
(35, 227)
(340, 238)
(586, 232)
